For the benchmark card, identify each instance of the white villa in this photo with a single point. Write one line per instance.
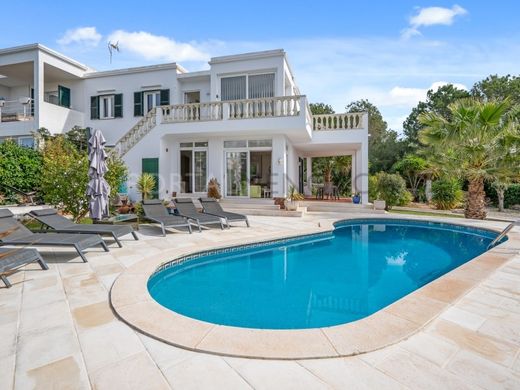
(242, 121)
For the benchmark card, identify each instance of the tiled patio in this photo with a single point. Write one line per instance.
(57, 330)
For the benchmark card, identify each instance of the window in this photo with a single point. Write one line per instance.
(259, 143)
(106, 107)
(235, 144)
(144, 101)
(63, 96)
(247, 87)
(261, 86)
(233, 88)
(27, 142)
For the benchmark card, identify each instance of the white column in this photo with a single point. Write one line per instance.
(38, 85)
(353, 173)
(308, 188)
(362, 172)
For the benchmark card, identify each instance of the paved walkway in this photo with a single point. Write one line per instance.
(57, 331)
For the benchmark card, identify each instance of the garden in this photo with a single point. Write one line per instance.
(459, 151)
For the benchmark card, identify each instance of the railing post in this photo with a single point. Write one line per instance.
(158, 115)
(365, 120)
(225, 111)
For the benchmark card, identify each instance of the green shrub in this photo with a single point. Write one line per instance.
(20, 167)
(446, 193)
(146, 184)
(373, 193)
(65, 177)
(117, 174)
(392, 189)
(512, 196)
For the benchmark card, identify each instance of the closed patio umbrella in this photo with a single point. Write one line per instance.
(98, 189)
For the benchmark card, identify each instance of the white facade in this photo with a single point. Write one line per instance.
(243, 121)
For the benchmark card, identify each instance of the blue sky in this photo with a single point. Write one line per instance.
(386, 51)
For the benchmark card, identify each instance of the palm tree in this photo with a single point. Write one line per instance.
(481, 141)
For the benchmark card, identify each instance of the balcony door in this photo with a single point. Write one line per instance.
(151, 100)
(237, 179)
(194, 167)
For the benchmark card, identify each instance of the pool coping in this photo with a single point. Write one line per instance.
(130, 299)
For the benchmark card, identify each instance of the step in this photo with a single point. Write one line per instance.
(254, 206)
(335, 206)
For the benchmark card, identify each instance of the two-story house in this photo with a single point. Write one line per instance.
(243, 121)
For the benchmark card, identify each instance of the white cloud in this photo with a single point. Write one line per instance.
(87, 36)
(431, 16)
(157, 47)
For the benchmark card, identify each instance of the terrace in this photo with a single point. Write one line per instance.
(58, 328)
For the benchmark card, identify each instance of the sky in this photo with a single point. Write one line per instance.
(389, 52)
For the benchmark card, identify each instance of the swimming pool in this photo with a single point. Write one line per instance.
(318, 280)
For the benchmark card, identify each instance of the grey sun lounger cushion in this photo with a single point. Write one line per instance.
(20, 235)
(13, 258)
(155, 211)
(186, 208)
(212, 207)
(60, 224)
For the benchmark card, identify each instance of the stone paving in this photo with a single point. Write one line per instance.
(58, 331)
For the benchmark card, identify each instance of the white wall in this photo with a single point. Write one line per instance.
(187, 85)
(127, 84)
(57, 119)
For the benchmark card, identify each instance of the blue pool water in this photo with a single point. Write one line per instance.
(316, 281)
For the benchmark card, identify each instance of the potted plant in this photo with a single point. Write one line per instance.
(356, 198)
(293, 200)
(214, 189)
(145, 185)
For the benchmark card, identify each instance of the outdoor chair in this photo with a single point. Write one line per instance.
(212, 207)
(155, 211)
(186, 208)
(18, 234)
(59, 224)
(12, 259)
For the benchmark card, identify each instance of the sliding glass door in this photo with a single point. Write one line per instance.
(236, 173)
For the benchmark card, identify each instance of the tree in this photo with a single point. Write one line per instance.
(480, 141)
(65, 177)
(437, 101)
(384, 145)
(117, 173)
(321, 108)
(498, 88)
(412, 169)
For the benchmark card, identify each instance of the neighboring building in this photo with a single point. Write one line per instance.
(243, 121)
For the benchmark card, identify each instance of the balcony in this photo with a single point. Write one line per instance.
(16, 110)
(284, 106)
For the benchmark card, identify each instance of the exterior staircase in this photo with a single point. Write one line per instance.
(136, 133)
(265, 207)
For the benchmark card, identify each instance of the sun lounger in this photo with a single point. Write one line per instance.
(212, 207)
(155, 211)
(20, 235)
(187, 209)
(13, 258)
(60, 224)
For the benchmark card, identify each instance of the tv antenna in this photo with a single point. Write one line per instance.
(113, 47)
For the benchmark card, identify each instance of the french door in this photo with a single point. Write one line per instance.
(237, 173)
(194, 170)
(151, 100)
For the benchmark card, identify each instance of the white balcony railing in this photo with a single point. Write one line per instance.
(347, 121)
(15, 110)
(233, 109)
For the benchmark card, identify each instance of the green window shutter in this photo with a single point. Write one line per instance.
(63, 96)
(138, 104)
(94, 107)
(165, 97)
(118, 105)
(151, 166)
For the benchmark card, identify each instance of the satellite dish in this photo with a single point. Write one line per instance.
(113, 47)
